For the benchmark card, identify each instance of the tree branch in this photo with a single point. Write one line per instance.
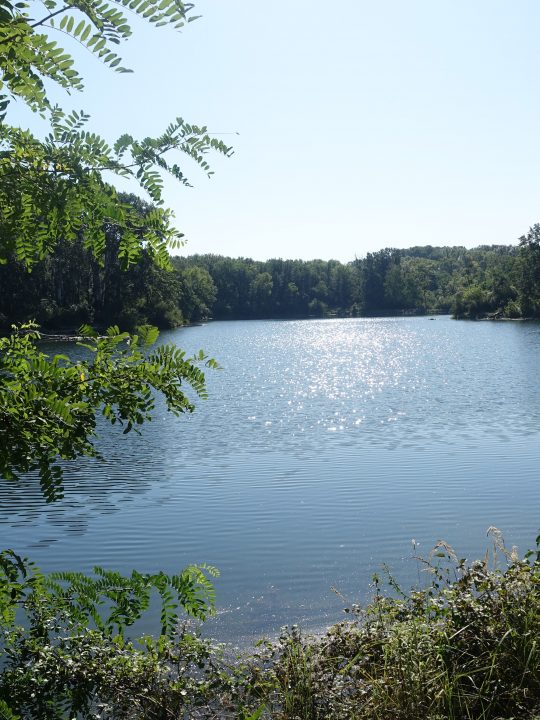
(48, 17)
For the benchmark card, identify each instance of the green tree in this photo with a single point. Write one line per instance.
(198, 293)
(56, 190)
(260, 292)
(48, 624)
(529, 284)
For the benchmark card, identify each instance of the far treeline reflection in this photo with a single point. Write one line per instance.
(70, 287)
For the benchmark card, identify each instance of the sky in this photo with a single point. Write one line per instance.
(356, 124)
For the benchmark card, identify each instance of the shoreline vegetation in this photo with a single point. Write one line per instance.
(462, 645)
(71, 288)
(74, 336)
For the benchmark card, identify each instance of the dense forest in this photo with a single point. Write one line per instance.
(71, 287)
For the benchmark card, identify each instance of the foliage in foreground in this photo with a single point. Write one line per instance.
(70, 656)
(48, 406)
(56, 190)
(464, 647)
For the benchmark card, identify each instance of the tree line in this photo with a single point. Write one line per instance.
(71, 287)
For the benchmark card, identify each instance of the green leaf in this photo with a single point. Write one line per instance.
(79, 28)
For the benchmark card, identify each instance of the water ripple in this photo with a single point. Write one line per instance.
(325, 446)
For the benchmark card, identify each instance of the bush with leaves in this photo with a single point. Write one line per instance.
(66, 650)
(464, 647)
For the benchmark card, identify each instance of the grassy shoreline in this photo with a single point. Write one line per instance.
(465, 646)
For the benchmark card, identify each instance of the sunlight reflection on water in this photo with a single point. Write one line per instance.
(324, 447)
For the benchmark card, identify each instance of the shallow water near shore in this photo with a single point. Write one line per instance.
(324, 448)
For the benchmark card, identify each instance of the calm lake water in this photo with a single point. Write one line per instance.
(325, 447)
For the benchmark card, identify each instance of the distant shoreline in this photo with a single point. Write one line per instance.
(74, 336)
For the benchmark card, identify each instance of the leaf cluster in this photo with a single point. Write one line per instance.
(66, 652)
(29, 57)
(55, 189)
(462, 647)
(48, 406)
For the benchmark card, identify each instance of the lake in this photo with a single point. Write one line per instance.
(324, 448)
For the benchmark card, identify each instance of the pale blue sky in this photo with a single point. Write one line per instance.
(362, 124)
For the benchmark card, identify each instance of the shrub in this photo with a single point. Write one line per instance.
(512, 309)
(464, 647)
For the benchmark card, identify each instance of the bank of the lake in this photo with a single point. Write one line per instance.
(463, 644)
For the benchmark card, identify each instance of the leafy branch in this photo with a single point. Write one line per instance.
(54, 188)
(110, 601)
(28, 58)
(48, 406)
(53, 191)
